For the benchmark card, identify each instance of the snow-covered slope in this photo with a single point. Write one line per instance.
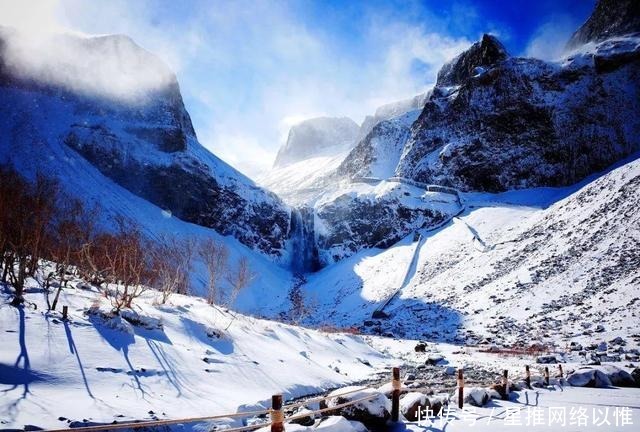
(183, 359)
(391, 110)
(509, 267)
(131, 125)
(301, 183)
(378, 153)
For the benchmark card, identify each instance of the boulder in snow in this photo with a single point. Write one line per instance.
(589, 377)
(546, 359)
(308, 420)
(476, 396)
(373, 412)
(339, 424)
(635, 374)
(434, 359)
(412, 404)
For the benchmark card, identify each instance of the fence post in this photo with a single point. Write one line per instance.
(65, 312)
(505, 383)
(560, 370)
(460, 388)
(527, 376)
(546, 375)
(277, 415)
(395, 395)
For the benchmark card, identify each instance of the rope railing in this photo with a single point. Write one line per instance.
(278, 419)
(148, 423)
(331, 408)
(321, 398)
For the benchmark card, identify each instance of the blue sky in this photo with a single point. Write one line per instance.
(250, 69)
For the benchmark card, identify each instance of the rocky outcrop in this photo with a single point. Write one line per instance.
(136, 133)
(484, 54)
(527, 123)
(322, 136)
(372, 412)
(368, 216)
(377, 155)
(610, 18)
(391, 110)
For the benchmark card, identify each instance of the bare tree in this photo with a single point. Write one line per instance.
(26, 212)
(172, 260)
(238, 280)
(122, 262)
(72, 229)
(214, 255)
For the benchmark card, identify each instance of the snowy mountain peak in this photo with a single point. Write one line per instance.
(610, 18)
(484, 53)
(105, 110)
(321, 136)
(112, 67)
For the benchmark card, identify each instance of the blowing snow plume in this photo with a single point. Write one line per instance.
(112, 67)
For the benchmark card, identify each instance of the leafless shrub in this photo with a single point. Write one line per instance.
(172, 260)
(214, 255)
(26, 212)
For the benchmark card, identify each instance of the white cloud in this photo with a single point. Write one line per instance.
(549, 40)
(247, 69)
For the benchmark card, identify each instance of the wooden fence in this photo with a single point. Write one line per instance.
(277, 418)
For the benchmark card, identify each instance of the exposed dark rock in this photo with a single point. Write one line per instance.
(420, 347)
(528, 123)
(147, 145)
(610, 18)
(485, 53)
(353, 223)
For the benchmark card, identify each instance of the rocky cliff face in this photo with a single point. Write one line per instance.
(481, 55)
(390, 111)
(378, 153)
(136, 132)
(377, 215)
(322, 136)
(520, 122)
(610, 18)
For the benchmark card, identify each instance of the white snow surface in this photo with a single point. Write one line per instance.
(109, 369)
(513, 266)
(304, 181)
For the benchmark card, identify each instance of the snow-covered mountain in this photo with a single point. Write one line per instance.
(610, 18)
(344, 153)
(378, 153)
(321, 136)
(537, 242)
(495, 123)
(389, 111)
(546, 264)
(491, 123)
(70, 101)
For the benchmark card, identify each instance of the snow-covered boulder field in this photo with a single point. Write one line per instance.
(185, 358)
(601, 376)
